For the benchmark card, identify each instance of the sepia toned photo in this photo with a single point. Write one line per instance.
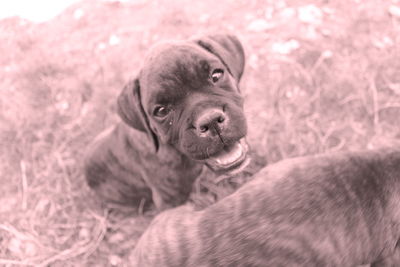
(155, 133)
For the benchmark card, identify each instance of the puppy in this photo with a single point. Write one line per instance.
(339, 209)
(182, 111)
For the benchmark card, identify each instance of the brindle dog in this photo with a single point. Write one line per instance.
(182, 111)
(339, 209)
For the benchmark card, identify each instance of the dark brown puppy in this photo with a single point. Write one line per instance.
(340, 209)
(182, 111)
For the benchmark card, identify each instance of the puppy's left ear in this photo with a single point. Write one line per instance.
(131, 110)
(228, 49)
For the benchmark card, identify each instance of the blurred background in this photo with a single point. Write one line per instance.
(320, 76)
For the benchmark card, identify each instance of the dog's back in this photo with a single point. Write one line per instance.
(337, 209)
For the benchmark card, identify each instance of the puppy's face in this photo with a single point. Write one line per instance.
(190, 97)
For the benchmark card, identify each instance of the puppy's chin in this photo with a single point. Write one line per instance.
(231, 159)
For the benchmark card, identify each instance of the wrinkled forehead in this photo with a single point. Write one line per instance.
(166, 52)
(171, 69)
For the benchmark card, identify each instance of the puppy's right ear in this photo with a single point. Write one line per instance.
(131, 110)
(228, 49)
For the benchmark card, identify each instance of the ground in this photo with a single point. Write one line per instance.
(320, 76)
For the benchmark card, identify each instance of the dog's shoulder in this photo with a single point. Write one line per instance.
(305, 200)
(121, 141)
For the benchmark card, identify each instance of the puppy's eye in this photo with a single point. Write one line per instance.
(161, 111)
(216, 75)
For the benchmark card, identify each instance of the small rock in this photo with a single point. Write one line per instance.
(394, 11)
(327, 54)
(114, 40)
(326, 32)
(288, 13)
(294, 92)
(30, 249)
(268, 14)
(260, 25)
(84, 234)
(310, 14)
(395, 87)
(101, 46)
(62, 105)
(204, 18)
(285, 47)
(85, 109)
(311, 32)
(22, 247)
(78, 13)
(280, 4)
(14, 246)
(249, 16)
(328, 10)
(383, 43)
(253, 60)
(115, 260)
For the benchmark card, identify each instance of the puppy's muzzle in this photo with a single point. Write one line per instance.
(211, 123)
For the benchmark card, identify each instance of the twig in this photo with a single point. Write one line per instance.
(79, 249)
(5, 262)
(18, 234)
(24, 184)
(375, 103)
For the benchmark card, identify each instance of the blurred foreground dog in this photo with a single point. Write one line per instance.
(340, 209)
(183, 110)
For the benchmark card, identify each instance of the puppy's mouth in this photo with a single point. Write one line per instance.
(230, 158)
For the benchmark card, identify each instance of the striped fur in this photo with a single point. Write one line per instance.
(340, 209)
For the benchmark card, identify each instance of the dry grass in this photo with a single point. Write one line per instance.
(317, 79)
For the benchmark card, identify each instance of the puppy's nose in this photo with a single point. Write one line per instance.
(210, 122)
